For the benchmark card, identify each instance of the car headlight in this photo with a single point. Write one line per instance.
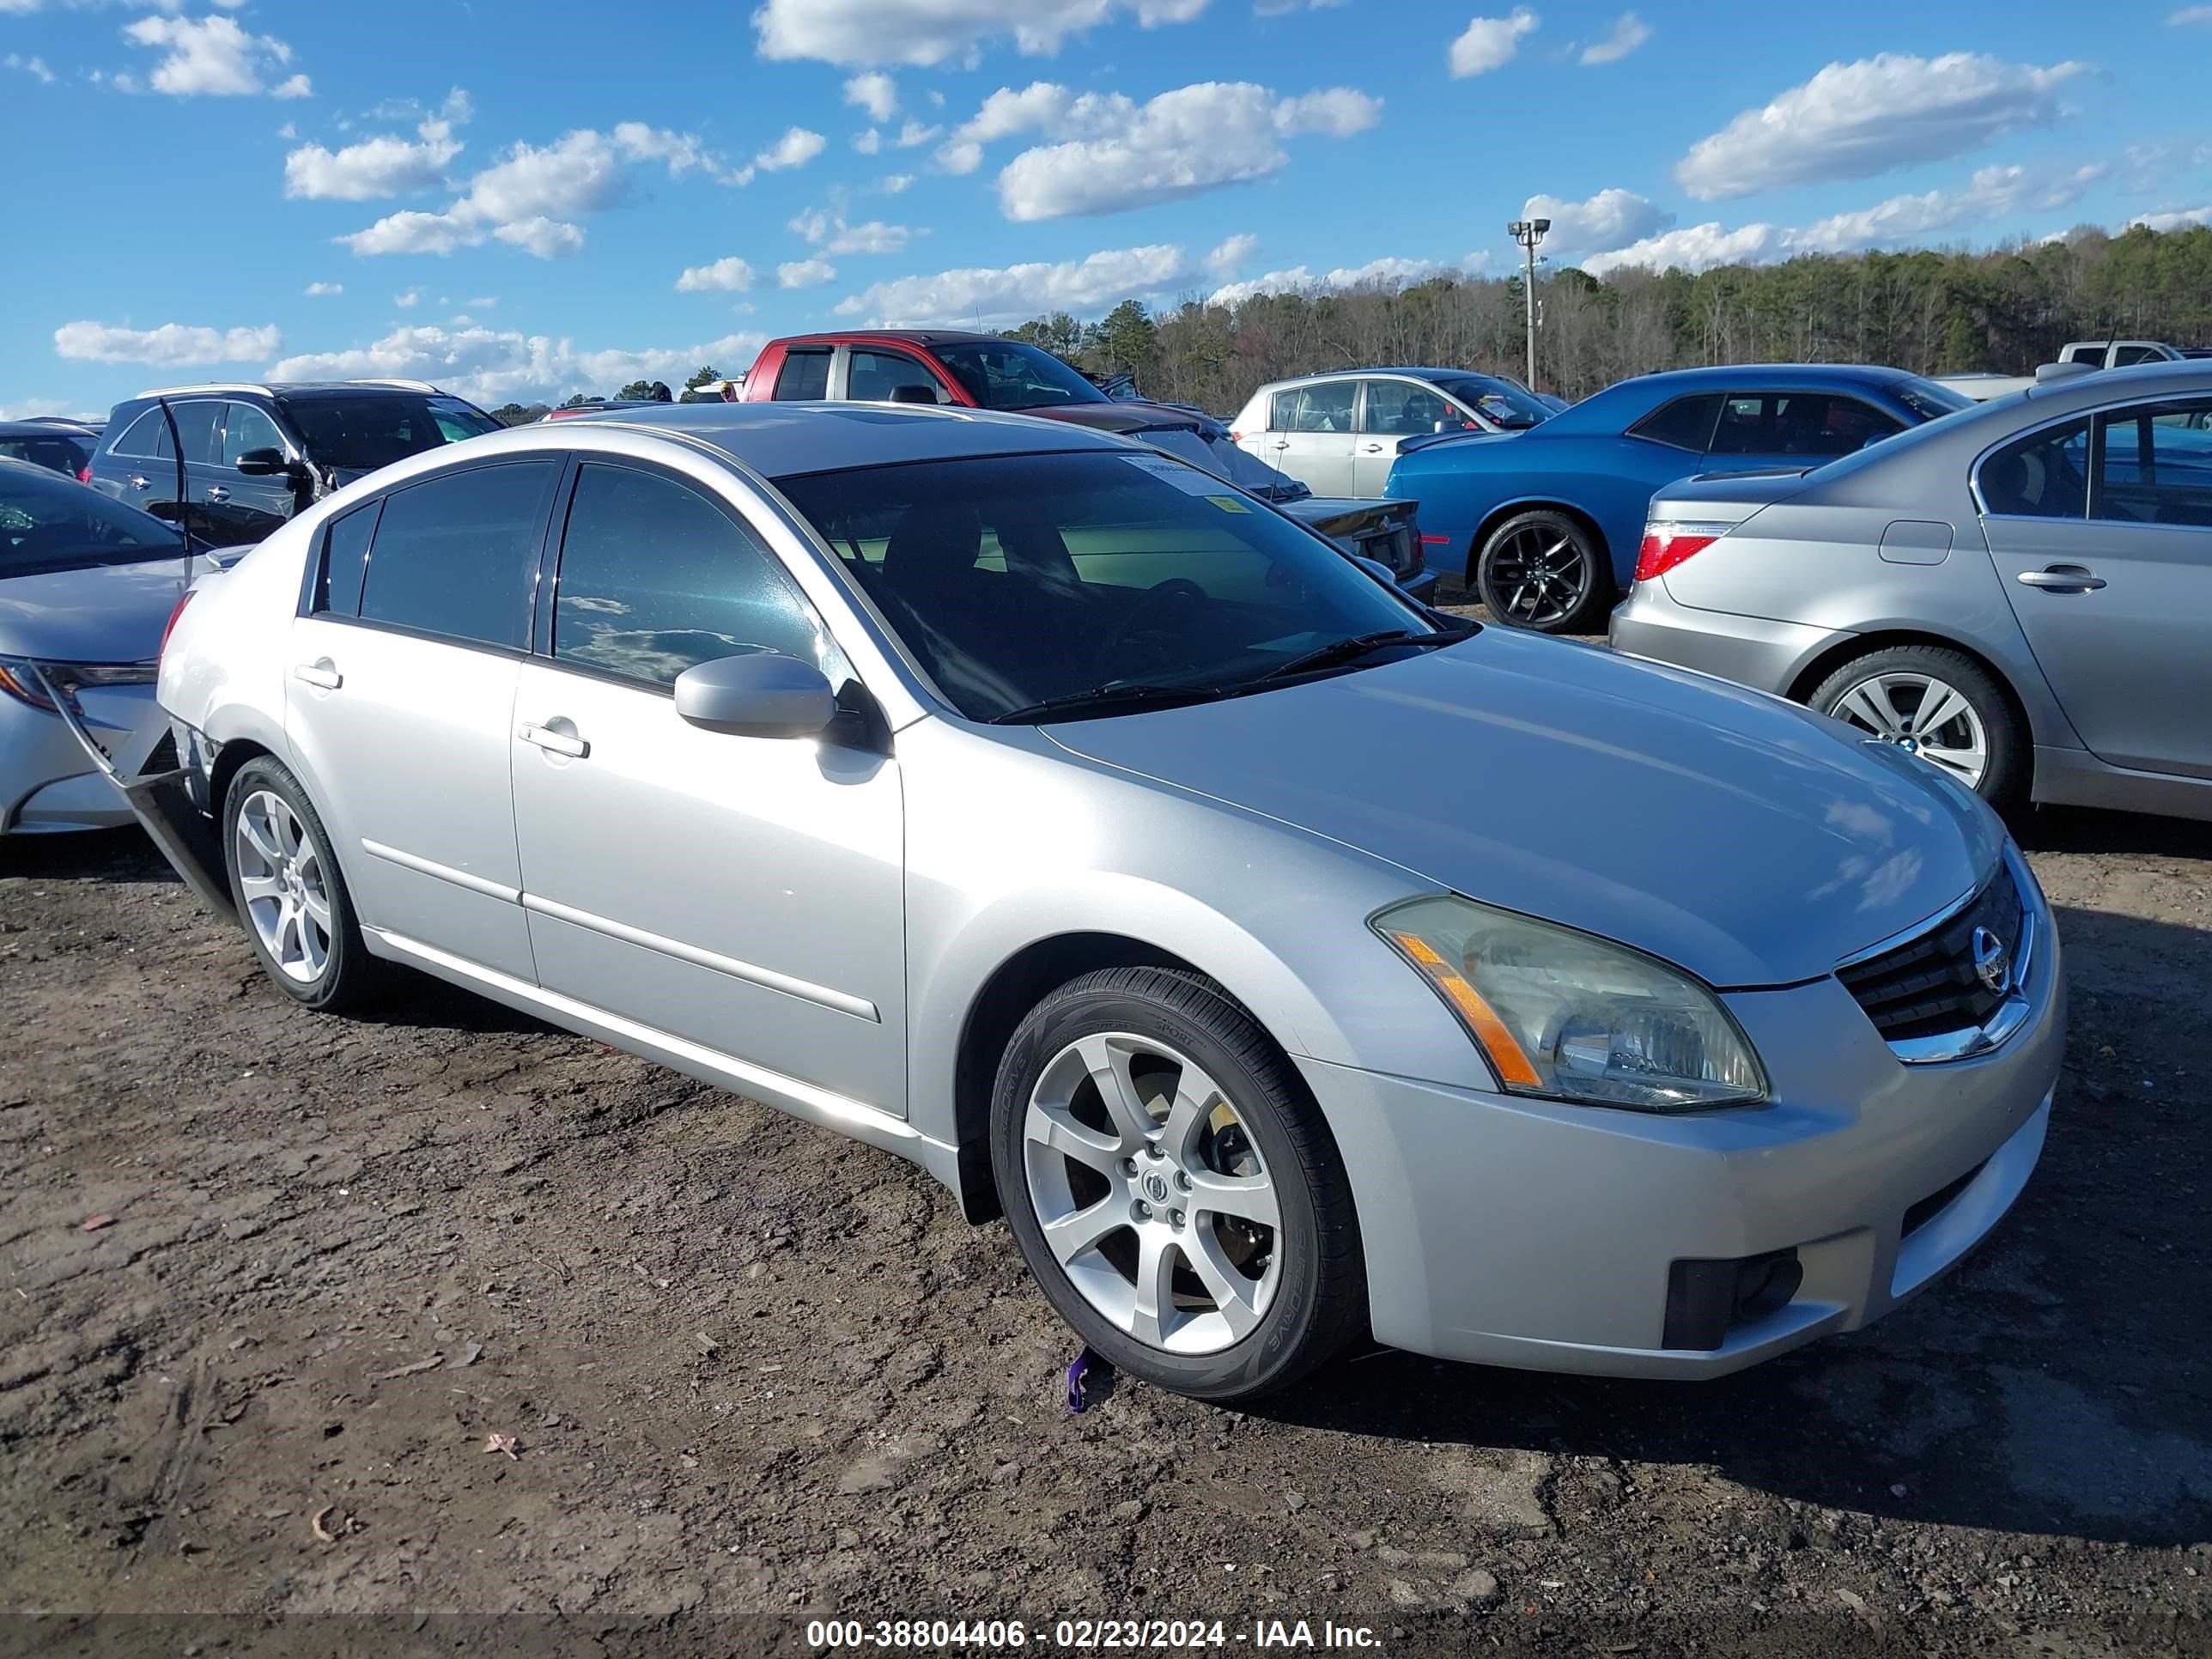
(1567, 1016)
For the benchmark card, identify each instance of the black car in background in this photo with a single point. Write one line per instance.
(254, 455)
(63, 446)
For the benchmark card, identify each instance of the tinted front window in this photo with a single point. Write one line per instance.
(1326, 407)
(455, 556)
(1685, 423)
(245, 429)
(871, 377)
(359, 431)
(1399, 409)
(1009, 374)
(48, 522)
(2155, 464)
(804, 377)
(655, 577)
(195, 427)
(2043, 476)
(2123, 356)
(1017, 578)
(1818, 425)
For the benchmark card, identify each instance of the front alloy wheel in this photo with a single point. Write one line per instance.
(1173, 1187)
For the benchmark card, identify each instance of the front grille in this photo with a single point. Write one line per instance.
(1928, 986)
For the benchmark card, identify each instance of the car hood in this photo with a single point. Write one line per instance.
(108, 613)
(1734, 834)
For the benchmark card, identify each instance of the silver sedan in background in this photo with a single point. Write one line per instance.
(2020, 593)
(1283, 960)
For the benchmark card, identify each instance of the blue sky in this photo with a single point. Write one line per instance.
(525, 199)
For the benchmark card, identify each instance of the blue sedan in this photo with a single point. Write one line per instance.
(1547, 523)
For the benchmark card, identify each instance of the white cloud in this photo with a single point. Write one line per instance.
(547, 238)
(868, 142)
(172, 345)
(315, 290)
(874, 92)
(1232, 253)
(805, 273)
(293, 86)
(2189, 14)
(1117, 153)
(492, 366)
(727, 275)
(383, 165)
(531, 196)
(212, 57)
(1013, 292)
(1629, 32)
(1992, 193)
(1284, 8)
(916, 132)
(832, 234)
(1489, 43)
(2178, 219)
(1390, 271)
(895, 183)
(1856, 120)
(1693, 247)
(927, 31)
(407, 301)
(794, 150)
(1609, 219)
(35, 67)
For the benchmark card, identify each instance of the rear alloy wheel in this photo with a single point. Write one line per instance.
(1172, 1186)
(1939, 704)
(1542, 571)
(290, 894)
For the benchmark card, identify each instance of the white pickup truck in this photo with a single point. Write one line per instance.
(2077, 357)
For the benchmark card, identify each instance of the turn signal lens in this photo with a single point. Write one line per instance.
(20, 685)
(1489, 1030)
(1668, 543)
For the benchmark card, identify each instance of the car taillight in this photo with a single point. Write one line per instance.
(170, 627)
(1235, 437)
(84, 473)
(1667, 544)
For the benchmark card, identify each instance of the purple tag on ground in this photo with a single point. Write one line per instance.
(1076, 1374)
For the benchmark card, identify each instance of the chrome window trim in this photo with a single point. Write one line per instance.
(2093, 415)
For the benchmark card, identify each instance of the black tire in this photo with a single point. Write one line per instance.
(1544, 571)
(1319, 1299)
(349, 975)
(2006, 774)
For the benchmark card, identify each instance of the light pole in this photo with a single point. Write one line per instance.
(1529, 233)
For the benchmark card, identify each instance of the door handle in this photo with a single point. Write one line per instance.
(1374, 449)
(323, 674)
(556, 743)
(140, 480)
(216, 493)
(2062, 578)
(1280, 443)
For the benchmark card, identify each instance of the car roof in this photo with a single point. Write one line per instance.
(785, 440)
(288, 388)
(1411, 373)
(40, 429)
(922, 337)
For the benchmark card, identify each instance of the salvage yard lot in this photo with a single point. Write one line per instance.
(749, 1367)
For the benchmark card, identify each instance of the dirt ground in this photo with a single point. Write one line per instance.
(272, 1279)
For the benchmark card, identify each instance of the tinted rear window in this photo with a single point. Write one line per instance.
(56, 454)
(804, 377)
(456, 556)
(1685, 423)
(360, 432)
(49, 522)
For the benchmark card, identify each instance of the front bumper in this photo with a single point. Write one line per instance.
(160, 797)
(1527, 1233)
(1754, 651)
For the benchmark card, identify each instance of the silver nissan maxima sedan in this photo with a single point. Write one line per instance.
(1283, 960)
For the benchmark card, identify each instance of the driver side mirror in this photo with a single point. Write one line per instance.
(911, 393)
(760, 694)
(261, 463)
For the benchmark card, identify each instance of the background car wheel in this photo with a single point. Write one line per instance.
(1173, 1187)
(289, 891)
(1542, 570)
(1941, 705)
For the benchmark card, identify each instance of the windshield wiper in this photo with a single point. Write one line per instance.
(1344, 651)
(1101, 699)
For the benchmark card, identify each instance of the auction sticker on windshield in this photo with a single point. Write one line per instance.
(1188, 479)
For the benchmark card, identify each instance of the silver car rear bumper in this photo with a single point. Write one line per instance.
(1754, 651)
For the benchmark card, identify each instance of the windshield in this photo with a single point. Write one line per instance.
(1502, 405)
(1930, 401)
(360, 432)
(1007, 374)
(50, 522)
(1017, 579)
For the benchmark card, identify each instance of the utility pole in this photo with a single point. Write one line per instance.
(1529, 233)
